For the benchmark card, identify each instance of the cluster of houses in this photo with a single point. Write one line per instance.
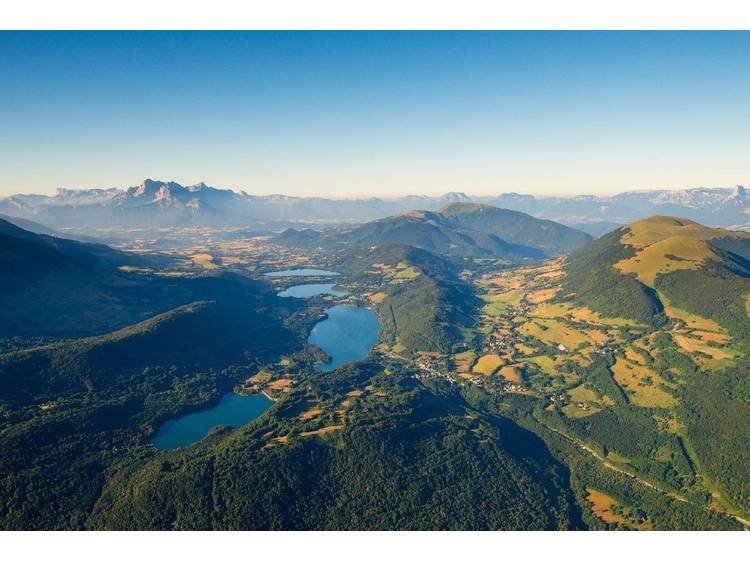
(498, 342)
(512, 387)
(521, 309)
(607, 348)
(428, 371)
(557, 398)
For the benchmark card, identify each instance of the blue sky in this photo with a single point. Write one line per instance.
(363, 114)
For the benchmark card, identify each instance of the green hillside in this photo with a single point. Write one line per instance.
(53, 287)
(71, 408)
(514, 227)
(605, 390)
(427, 307)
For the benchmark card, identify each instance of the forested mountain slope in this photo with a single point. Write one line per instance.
(69, 410)
(60, 288)
(381, 452)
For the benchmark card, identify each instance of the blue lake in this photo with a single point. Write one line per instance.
(302, 273)
(311, 290)
(348, 334)
(234, 410)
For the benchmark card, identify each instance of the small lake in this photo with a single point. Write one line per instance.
(234, 410)
(311, 290)
(302, 273)
(348, 334)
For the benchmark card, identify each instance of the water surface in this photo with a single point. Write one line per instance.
(302, 273)
(348, 334)
(234, 410)
(311, 290)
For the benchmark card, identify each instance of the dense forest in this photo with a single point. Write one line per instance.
(407, 457)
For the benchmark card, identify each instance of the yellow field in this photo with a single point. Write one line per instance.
(134, 269)
(261, 377)
(554, 332)
(508, 297)
(633, 356)
(281, 384)
(510, 373)
(464, 361)
(581, 314)
(540, 296)
(582, 394)
(692, 345)
(654, 229)
(322, 431)
(398, 273)
(547, 364)
(573, 411)
(206, 261)
(631, 378)
(711, 337)
(525, 349)
(653, 259)
(377, 298)
(406, 272)
(549, 310)
(488, 364)
(311, 413)
(601, 506)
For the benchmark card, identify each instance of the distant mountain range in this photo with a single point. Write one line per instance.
(457, 229)
(159, 204)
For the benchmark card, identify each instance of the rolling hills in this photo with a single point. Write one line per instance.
(458, 229)
(603, 389)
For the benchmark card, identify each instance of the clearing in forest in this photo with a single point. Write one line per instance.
(641, 383)
(488, 364)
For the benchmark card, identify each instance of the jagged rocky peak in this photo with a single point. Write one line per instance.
(200, 186)
(153, 188)
(739, 191)
(163, 193)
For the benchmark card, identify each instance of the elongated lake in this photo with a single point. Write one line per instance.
(302, 273)
(234, 410)
(311, 290)
(348, 334)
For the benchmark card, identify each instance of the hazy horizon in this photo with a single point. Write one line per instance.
(495, 193)
(350, 114)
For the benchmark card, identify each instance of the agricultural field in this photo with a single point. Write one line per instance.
(395, 274)
(612, 512)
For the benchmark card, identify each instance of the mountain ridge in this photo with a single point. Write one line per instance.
(170, 204)
(456, 229)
